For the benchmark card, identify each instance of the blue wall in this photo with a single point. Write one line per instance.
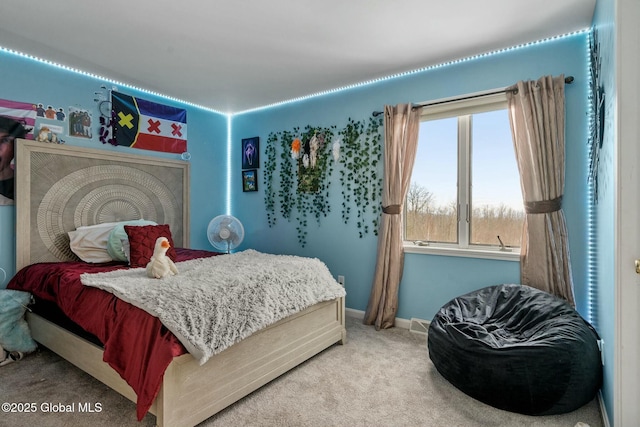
(26, 80)
(429, 281)
(604, 24)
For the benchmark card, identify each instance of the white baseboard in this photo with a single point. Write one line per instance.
(359, 314)
(355, 314)
(603, 410)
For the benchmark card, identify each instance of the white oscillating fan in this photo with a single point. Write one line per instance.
(225, 232)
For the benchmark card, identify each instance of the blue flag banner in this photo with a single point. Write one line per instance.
(148, 125)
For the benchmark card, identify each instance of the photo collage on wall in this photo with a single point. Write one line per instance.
(39, 121)
(250, 163)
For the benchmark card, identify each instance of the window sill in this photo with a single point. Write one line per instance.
(468, 253)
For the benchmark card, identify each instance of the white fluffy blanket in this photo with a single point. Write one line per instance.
(215, 302)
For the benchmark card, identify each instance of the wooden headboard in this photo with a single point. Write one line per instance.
(61, 187)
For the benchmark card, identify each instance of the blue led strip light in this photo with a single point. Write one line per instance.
(106, 79)
(592, 253)
(229, 177)
(417, 71)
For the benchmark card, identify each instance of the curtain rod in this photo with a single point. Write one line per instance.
(567, 80)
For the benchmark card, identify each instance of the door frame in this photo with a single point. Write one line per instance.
(627, 208)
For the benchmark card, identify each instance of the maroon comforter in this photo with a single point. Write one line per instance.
(135, 343)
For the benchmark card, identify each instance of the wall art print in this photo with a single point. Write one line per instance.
(80, 123)
(251, 153)
(250, 180)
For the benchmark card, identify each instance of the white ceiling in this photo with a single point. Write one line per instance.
(236, 55)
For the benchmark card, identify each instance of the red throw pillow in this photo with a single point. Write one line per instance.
(142, 241)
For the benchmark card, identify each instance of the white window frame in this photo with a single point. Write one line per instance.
(464, 107)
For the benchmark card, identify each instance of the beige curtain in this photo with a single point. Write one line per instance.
(401, 124)
(536, 113)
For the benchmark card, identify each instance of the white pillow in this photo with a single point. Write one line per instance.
(89, 242)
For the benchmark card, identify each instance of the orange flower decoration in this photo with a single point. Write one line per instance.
(295, 148)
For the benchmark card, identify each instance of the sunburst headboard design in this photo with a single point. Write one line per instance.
(59, 188)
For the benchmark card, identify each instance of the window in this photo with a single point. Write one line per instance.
(465, 186)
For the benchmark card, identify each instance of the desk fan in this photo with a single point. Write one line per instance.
(225, 232)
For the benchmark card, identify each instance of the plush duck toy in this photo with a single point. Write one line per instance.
(160, 265)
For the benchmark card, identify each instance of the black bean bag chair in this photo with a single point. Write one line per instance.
(517, 348)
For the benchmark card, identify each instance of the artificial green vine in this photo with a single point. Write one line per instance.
(285, 191)
(270, 168)
(313, 185)
(304, 181)
(303, 186)
(361, 176)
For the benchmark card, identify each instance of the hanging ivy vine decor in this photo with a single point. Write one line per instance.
(361, 175)
(285, 190)
(304, 169)
(300, 165)
(313, 169)
(269, 170)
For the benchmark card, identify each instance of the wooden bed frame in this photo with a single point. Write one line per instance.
(59, 188)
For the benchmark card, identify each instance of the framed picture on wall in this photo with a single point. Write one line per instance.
(250, 180)
(251, 153)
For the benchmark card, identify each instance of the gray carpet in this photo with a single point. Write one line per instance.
(378, 378)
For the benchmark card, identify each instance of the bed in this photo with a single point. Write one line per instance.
(60, 188)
